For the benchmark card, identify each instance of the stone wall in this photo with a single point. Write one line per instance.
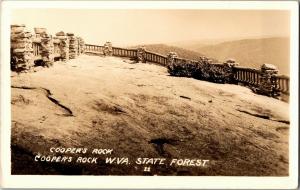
(28, 49)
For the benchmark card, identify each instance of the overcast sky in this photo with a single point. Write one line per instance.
(129, 27)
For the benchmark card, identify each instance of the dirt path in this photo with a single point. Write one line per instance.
(138, 110)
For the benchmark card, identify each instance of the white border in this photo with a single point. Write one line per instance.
(38, 181)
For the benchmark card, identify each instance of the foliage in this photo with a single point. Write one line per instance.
(203, 69)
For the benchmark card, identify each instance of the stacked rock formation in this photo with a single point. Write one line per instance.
(63, 45)
(141, 54)
(47, 46)
(268, 84)
(73, 46)
(40, 49)
(108, 49)
(21, 48)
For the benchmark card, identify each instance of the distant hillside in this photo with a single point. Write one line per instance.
(165, 49)
(251, 52)
(196, 44)
(190, 45)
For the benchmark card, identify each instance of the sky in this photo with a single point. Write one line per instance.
(131, 27)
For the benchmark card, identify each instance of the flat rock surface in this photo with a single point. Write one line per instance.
(138, 110)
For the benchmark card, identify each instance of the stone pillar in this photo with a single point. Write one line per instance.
(141, 54)
(267, 85)
(171, 58)
(229, 70)
(171, 66)
(108, 49)
(81, 45)
(73, 46)
(47, 46)
(63, 45)
(21, 49)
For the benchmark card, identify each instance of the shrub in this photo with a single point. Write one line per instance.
(203, 69)
(184, 68)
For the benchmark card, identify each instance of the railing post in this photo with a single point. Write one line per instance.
(47, 46)
(63, 45)
(268, 84)
(229, 70)
(141, 54)
(21, 49)
(108, 49)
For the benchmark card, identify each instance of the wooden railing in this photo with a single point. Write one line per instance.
(252, 77)
(123, 52)
(156, 58)
(246, 76)
(94, 48)
(282, 84)
(127, 52)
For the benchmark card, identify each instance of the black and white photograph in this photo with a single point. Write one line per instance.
(161, 91)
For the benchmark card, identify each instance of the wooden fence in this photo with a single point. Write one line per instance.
(245, 76)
